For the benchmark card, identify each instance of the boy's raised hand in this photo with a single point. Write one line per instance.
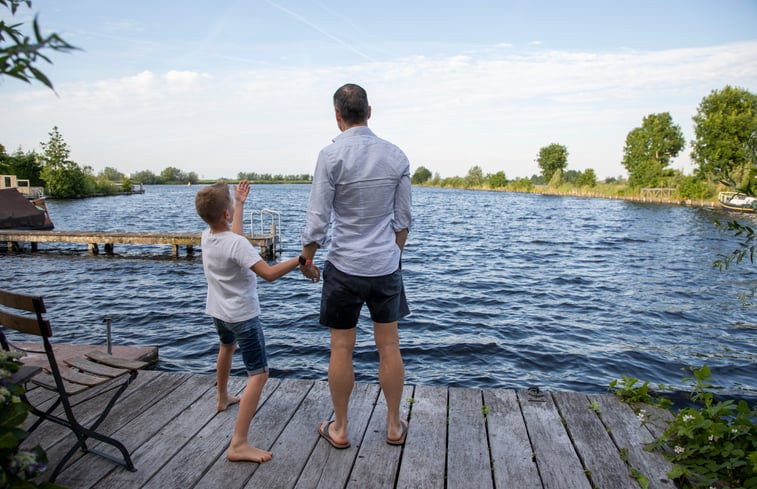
(241, 191)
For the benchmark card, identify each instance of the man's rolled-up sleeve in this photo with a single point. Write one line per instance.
(403, 218)
(320, 204)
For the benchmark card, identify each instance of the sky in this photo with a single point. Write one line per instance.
(224, 87)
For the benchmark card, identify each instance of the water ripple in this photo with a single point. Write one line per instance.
(506, 290)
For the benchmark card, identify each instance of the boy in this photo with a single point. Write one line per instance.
(231, 264)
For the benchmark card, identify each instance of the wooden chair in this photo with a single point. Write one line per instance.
(25, 314)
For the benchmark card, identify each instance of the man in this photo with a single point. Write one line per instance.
(364, 183)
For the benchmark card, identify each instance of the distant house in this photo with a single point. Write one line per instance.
(22, 185)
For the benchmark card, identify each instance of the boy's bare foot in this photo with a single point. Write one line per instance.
(224, 403)
(247, 453)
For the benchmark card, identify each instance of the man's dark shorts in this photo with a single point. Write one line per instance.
(344, 295)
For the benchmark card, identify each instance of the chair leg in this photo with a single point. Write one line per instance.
(82, 433)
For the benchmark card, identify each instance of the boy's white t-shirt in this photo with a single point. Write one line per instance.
(232, 285)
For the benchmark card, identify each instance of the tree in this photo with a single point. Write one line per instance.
(111, 174)
(571, 176)
(19, 53)
(56, 150)
(725, 129)
(650, 148)
(498, 180)
(475, 177)
(172, 175)
(63, 177)
(421, 175)
(587, 178)
(552, 158)
(23, 165)
(145, 177)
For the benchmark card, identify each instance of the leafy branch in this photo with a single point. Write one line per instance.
(19, 53)
(745, 248)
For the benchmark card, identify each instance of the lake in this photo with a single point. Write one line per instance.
(506, 290)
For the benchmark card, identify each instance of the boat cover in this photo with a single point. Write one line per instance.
(18, 212)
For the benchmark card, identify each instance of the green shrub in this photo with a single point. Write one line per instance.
(711, 445)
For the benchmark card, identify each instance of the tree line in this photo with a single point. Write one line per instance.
(63, 178)
(724, 149)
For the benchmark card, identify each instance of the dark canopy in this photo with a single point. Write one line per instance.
(18, 212)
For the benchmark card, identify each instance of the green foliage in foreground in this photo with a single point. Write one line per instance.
(21, 53)
(18, 467)
(745, 249)
(713, 444)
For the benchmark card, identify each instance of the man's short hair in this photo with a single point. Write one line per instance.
(351, 102)
(212, 201)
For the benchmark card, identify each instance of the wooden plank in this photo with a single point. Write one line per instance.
(424, 457)
(124, 411)
(656, 419)
(89, 470)
(328, 467)
(94, 368)
(600, 457)
(512, 455)
(203, 462)
(47, 381)
(468, 460)
(112, 361)
(48, 434)
(293, 447)
(366, 472)
(24, 324)
(153, 454)
(23, 374)
(558, 464)
(631, 437)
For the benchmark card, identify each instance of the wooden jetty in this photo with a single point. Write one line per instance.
(458, 438)
(268, 244)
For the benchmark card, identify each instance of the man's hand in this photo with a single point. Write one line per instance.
(312, 272)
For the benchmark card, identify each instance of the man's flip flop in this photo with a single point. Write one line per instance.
(534, 394)
(323, 430)
(401, 439)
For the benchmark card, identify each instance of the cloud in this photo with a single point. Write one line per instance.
(490, 108)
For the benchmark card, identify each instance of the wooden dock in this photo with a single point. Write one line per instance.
(266, 243)
(458, 438)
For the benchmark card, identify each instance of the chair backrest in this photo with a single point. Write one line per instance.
(11, 316)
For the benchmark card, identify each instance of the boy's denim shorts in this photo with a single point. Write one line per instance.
(249, 336)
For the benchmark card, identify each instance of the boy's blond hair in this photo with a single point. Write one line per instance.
(212, 201)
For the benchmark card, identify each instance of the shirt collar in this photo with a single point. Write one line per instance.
(354, 131)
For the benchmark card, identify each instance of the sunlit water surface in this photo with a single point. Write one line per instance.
(506, 290)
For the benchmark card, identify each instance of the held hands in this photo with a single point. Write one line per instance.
(312, 272)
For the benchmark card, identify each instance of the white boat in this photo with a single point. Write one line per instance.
(737, 201)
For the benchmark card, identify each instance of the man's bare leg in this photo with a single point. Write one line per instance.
(341, 380)
(391, 374)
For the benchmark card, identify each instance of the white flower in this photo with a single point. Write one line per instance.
(642, 415)
(711, 437)
(734, 430)
(679, 450)
(687, 418)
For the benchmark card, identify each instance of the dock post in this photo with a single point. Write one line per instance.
(175, 250)
(93, 249)
(109, 248)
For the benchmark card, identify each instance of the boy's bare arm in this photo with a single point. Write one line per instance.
(273, 272)
(241, 191)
